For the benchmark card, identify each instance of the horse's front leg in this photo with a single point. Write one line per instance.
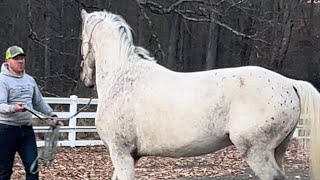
(123, 164)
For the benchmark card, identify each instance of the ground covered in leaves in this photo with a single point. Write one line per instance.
(88, 163)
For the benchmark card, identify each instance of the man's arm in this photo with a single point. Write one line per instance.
(5, 108)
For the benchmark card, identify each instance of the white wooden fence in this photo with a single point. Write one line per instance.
(72, 129)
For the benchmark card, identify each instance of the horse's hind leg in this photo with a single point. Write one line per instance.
(281, 149)
(261, 159)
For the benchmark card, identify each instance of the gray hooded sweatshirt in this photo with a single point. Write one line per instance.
(19, 88)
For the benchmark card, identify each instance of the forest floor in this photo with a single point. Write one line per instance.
(94, 163)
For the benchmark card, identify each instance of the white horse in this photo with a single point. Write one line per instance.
(145, 109)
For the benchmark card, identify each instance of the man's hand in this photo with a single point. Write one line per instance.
(19, 107)
(56, 122)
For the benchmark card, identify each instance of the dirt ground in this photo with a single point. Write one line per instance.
(294, 172)
(88, 163)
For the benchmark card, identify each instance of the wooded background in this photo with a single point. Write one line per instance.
(183, 35)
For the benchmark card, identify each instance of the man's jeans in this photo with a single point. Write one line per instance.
(19, 139)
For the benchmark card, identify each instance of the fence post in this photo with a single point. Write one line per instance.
(73, 121)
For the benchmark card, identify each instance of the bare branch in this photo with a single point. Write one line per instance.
(150, 25)
(235, 4)
(62, 77)
(33, 36)
(252, 37)
(205, 14)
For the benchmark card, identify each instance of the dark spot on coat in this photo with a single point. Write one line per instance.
(272, 118)
(241, 81)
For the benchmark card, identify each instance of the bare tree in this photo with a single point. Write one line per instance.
(213, 42)
(282, 31)
(172, 42)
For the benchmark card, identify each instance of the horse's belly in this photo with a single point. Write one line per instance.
(183, 145)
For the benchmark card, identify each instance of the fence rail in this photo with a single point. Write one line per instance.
(72, 128)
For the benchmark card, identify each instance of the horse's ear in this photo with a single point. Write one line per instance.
(83, 13)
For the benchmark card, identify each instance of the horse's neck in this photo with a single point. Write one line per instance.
(109, 61)
(110, 52)
(107, 58)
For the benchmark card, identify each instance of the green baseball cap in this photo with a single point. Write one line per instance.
(14, 51)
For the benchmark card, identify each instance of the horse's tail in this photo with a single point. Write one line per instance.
(310, 110)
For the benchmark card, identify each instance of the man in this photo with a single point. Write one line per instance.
(18, 90)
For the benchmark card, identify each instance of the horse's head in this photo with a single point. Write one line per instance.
(107, 44)
(87, 73)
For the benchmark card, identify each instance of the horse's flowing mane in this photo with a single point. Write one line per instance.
(126, 40)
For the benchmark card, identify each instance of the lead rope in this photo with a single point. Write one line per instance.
(48, 152)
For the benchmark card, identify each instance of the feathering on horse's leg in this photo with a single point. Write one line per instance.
(261, 160)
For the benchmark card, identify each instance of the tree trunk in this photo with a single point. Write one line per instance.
(245, 25)
(213, 42)
(283, 32)
(187, 46)
(172, 49)
(181, 49)
(140, 28)
(46, 48)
